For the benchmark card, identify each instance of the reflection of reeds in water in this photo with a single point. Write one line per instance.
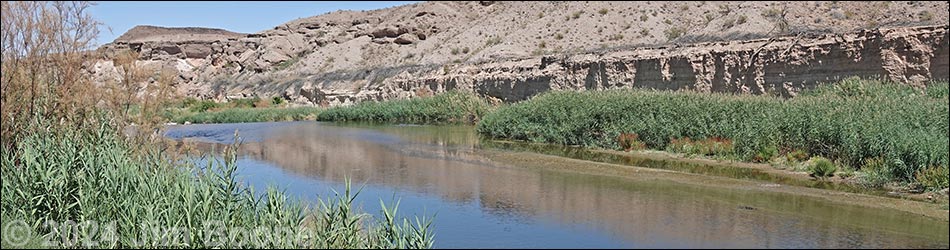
(643, 210)
(720, 169)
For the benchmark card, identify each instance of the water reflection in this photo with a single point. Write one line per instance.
(645, 210)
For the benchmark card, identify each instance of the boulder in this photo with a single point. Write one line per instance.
(379, 41)
(406, 39)
(196, 50)
(388, 32)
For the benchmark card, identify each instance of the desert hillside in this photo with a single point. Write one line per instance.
(357, 54)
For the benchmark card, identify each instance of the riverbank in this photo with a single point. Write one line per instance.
(868, 133)
(453, 107)
(882, 133)
(190, 110)
(544, 161)
(706, 166)
(440, 163)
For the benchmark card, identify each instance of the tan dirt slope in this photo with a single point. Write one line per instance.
(512, 50)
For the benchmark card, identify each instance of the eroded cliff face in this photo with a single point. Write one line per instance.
(510, 51)
(782, 66)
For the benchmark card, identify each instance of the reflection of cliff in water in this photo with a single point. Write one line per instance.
(445, 161)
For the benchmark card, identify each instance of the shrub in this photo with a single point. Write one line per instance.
(765, 154)
(926, 16)
(202, 106)
(188, 102)
(277, 100)
(771, 12)
(244, 102)
(740, 20)
(797, 155)
(674, 32)
(603, 11)
(492, 41)
(821, 167)
(630, 141)
(717, 146)
(934, 178)
(287, 63)
(577, 14)
(875, 173)
(724, 9)
(262, 103)
(705, 147)
(709, 18)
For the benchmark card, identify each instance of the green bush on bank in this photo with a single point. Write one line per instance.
(850, 122)
(93, 175)
(449, 107)
(821, 167)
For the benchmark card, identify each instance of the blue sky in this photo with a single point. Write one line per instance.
(245, 17)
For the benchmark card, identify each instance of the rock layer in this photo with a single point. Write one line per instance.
(781, 66)
(510, 51)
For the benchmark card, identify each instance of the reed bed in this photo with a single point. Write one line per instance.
(449, 107)
(903, 130)
(137, 196)
(235, 115)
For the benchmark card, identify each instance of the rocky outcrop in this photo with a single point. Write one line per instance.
(781, 66)
(510, 51)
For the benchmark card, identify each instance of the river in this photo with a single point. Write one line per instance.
(483, 195)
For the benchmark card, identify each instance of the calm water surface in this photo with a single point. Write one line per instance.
(488, 196)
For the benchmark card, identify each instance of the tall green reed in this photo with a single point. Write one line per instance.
(850, 122)
(143, 199)
(449, 107)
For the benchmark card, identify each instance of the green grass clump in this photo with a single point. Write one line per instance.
(449, 107)
(83, 175)
(849, 122)
(706, 147)
(200, 106)
(933, 178)
(243, 103)
(250, 115)
(797, 155)
(821, 167)
(277, 100)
